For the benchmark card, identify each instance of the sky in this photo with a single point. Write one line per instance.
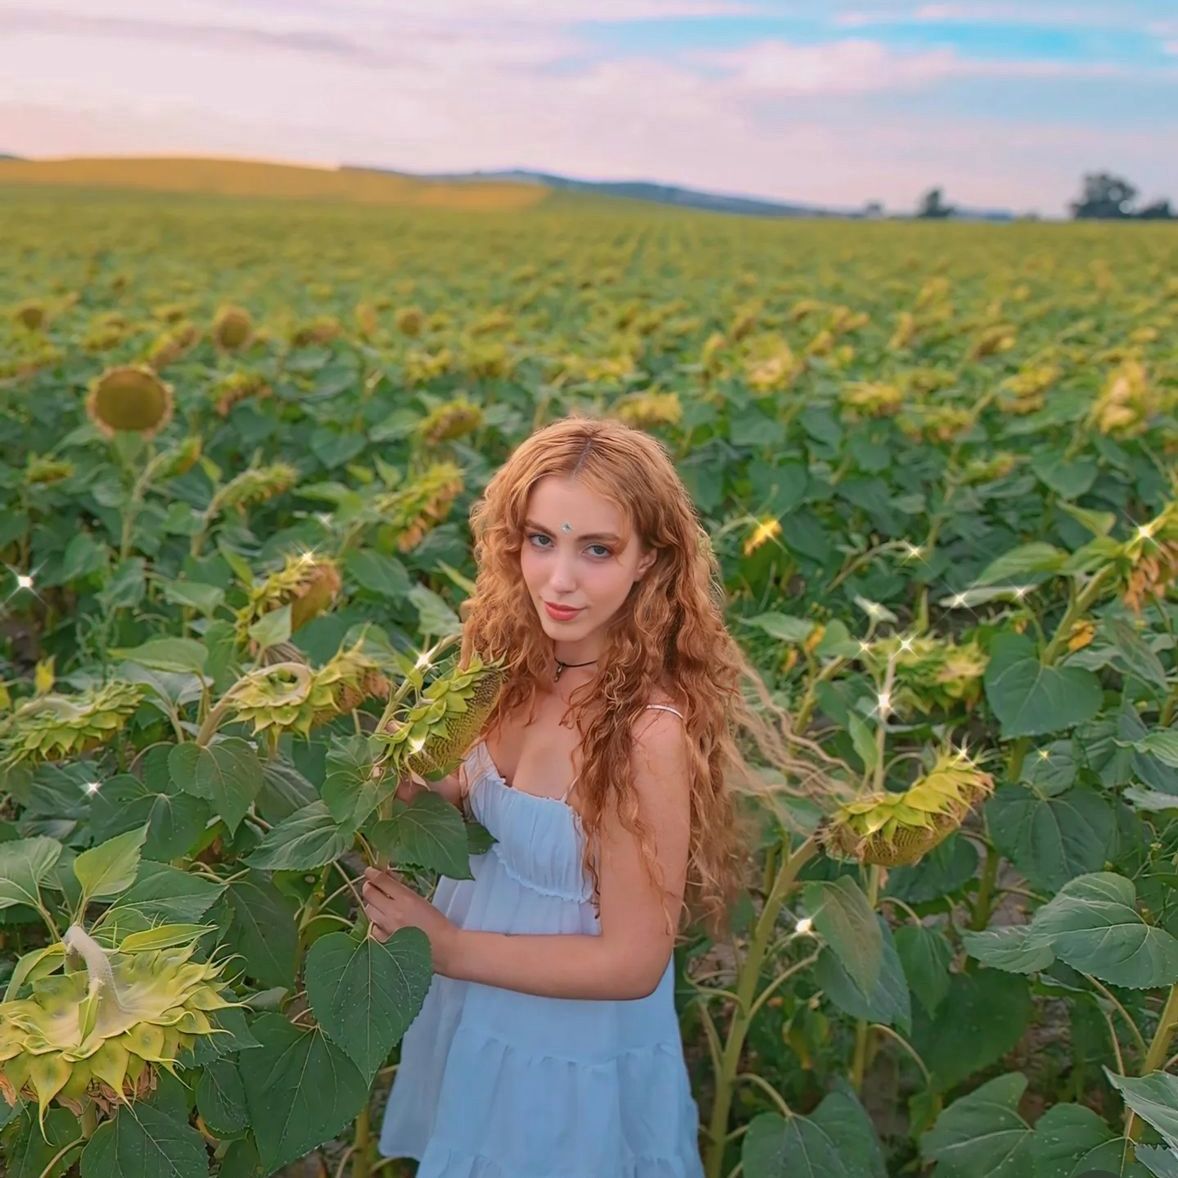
(1002, 103)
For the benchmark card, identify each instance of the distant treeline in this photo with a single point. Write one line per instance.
(1104, 197)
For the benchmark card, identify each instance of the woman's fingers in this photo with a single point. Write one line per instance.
(382, 881)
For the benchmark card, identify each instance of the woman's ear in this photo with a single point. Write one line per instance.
(644, 562)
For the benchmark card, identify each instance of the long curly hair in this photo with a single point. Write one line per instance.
(668, 636)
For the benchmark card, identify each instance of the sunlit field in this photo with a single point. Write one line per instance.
(240, 433)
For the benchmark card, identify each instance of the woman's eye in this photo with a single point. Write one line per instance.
(601, 553)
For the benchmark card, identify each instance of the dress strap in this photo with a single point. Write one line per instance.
(667, 708)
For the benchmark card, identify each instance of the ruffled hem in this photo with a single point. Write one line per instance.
(440, 1160)
(496, 1110)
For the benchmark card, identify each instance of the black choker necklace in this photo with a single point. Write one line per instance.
(561, 666)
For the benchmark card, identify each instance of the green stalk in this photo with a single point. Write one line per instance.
(862, 1030)
(984, 904)
(1156, 1056)
(361, 1145)
(746, 982)
(135, 501)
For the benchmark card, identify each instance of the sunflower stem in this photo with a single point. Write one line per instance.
(748, 975)
(1158, 1047)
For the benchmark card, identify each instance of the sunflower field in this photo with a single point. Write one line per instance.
(938, 463)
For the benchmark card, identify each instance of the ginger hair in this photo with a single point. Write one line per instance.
(669, 636)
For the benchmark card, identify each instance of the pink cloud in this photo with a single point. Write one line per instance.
(439, 94)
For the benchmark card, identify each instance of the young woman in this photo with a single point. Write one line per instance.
(548, 1045)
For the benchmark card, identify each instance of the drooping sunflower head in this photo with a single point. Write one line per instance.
(52, 726)
(238, 386)
(650, 410)
(772, 366)
(896, 829)
(1127, 401)
(1151, 559)
(41, 468)
(436, 731)
(308, 583)
(320, 330)
(871, 398)
(450, 420)
(98, 1034)
(172, 344)
(256, 484)
(294, 697)
(352, 677)
(413, 509)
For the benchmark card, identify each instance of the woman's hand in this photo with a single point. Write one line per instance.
(391, 905)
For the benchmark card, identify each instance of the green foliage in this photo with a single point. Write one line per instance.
(934, 464)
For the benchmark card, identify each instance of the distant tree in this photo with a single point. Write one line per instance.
(1104, 196)
(1158, 211)
(932, 204)
(873, 209)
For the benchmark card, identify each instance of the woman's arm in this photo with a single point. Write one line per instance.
(629, 956)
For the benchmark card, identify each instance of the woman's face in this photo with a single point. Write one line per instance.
(589, 567)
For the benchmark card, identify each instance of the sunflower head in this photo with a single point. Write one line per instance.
(1150, 558)
(409, 320)
(896, 829)
(256, 484)
(412, 510)
(99, 1031)
(41, 468)
(352, 677)
(450, 420)
(1127, 402)
(432, 737)
(765, 530)
(182, 458)
(992, 341)
(31, 315)
(871, 398)
(232, 328)
(307, 583)
(131, 398)
(238, 386)
(172, 344)
(53, 726)
(650, 410)
(320, 330)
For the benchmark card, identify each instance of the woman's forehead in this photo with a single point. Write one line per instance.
(556, 500)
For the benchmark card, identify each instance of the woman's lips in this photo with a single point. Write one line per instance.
(561, 614)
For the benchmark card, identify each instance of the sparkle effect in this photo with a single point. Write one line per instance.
(22, 583)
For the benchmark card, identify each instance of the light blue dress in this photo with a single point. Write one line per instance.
(496, 1083)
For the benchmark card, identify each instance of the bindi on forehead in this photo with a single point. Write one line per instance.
(531, 523)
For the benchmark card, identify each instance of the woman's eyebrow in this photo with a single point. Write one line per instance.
(531, 523)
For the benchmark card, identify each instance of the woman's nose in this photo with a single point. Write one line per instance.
(563, 578)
